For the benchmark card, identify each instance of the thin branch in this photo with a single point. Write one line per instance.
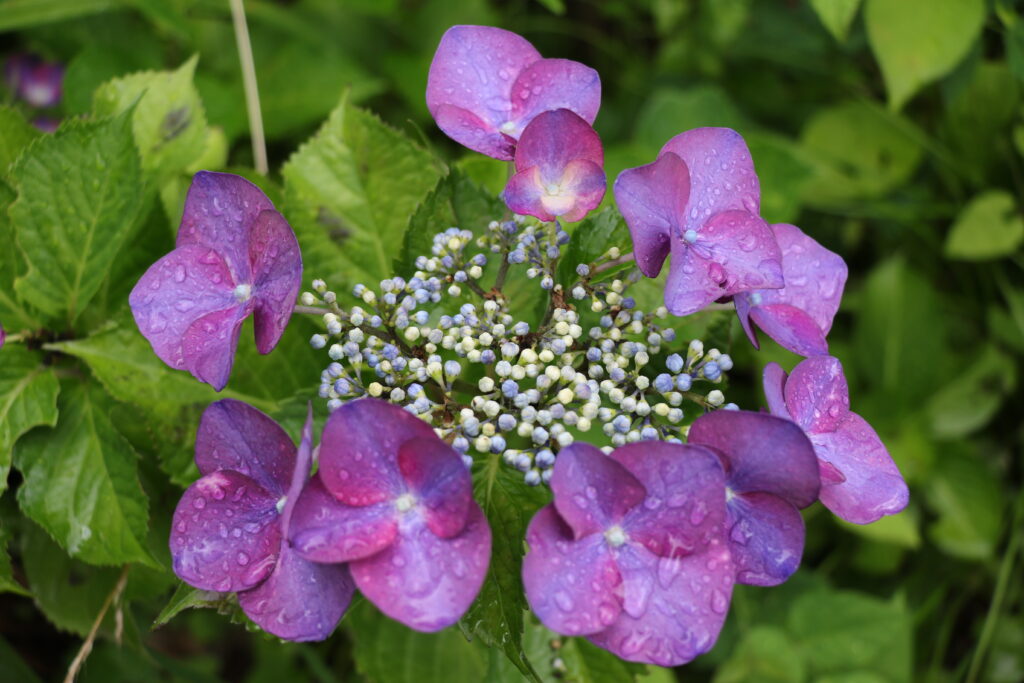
(311, 310)
(608, 265)
(86, 648)
(252, 94)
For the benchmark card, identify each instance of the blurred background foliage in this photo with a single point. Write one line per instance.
(892, 131)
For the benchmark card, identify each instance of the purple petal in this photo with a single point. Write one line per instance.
(579, 190)
(325, 530)
(674, 607)
(440, 481)
(300, 470)
(762, 453)
(792, 328)
(774, 382)
(424, 581)
(571, 585)
(359, 450)
(766, 538)
(220, 210)
(182, 287)
(209, 345)
(733, 252)
(469, 87)
(550, 84)
(816, 394)
(225, 536)
(553, 139)
(743, 309)
(652, 199)
(722, 174)
(277, 276)
(592, 491)
(873, 486)
(235, 436)
(300, 600)
(685, 500)
(524, 194)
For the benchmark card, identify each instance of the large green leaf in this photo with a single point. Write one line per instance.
(968, 499)
(972, 399)
(7, 582)
(919, 41)
(989, 227)
(349, 193)
(836, 15)
(28, 398)
(79, 199)
(81, 483)
(764, 654)
(670, 111)
(15, 134)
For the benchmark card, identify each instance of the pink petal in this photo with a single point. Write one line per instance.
(550, 84)
(359, 450)
(592, 491)
(325, 530)
(555, 138)
(584, 182)
(225, 536)
(471, 131)
(816, 394)
(424, 581)
(277, 276)
(300, 600)
(722, 176)
(734, 252)
(220, 210)
(524, 194)
(570, 585)
(685, 500)
(176, 291)
(774, 384)
(652, 199)
(762, 453)
(235, 436)
(209, 345)
(792, 328)
(578, 191)
(440, 481)
(743, 310)
(873, 486)
(766, 538)
(674, 607)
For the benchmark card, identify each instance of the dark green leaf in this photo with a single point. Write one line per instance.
(764, 654)
(186, 597)
(8, 584)
(28, 398)
(967, 497)
(590, 240)
(670, 111)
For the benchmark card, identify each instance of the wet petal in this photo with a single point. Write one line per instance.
(277, 276)
(592, 491)
(685, 503)
(424, 581)
(762, 453)
(524, 194)
(873, 486)
(816, 394)
(209, 344)
(680, 606)
(766, 538)
(652, 199)
(359, 450)
(300, 600)
(474, 133)
(225, 535)
(233, 435)
(722, 176)
(550, 84)
(300, 471)
(743, 310)
(571, 585)
(774, 383)
(440, 482)
(792, 328)
(555, 138)
(578, 190)
(325, 530)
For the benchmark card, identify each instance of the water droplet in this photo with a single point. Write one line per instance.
(199, 502)
(719, 602)
(180, 273)
(563, 601)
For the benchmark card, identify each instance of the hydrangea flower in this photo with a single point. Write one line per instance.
(632, 552)
(230, 529)
(486, 84)
(771, 472)
(235, 256)
(859, 480)
(559, 170)
(699, 201)
(396, 503)
(799, 315)
(35, 81)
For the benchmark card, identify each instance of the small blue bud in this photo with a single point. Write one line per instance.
(510, 388)
(532, 478)
(663, 383)
(342, 386)
(621, 424)
(617, 374)
(461, 444)
(629, 302)
(730, 406)
(506, 422)
(497, 443)
(583, 270)
(452, 368)
(460, 276)
(649, 433)
(521, 328)
(421, 317)
(684, 382)
(545, 458)
(712, 371)
(593, 354)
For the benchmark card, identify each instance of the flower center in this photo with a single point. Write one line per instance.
(552, 189)
(690, 235)
(508, 127)
(729, 494)
(755, 299)
(615, 536)
(281, 502)
(242, 293)
(405, 502)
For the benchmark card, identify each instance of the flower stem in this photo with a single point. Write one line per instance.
(608, 265)
(252, 95)
(86, 648)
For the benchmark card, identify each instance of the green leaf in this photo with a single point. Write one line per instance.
(764, 654)
(456, 201)
(15, 134)
(969, 402)
(989, 227)
(587, 663)
(8, 584)
(968, 499)
(12, 667)
(168, 121)
(669, 111)
(28, 398)
(783, 172)
(186, 597)
(591, 239)
(899, 529)
(21, 14)
(497, 615)
(79, 199)
(836, 15)
(918, 41)
(349, 193)
(81, 483)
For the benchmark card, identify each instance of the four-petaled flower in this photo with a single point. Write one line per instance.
(486, 84)
(771, 473)
(230, 529)
(632, 552)
(396, 503)
(235, 256)
(799, 315)
(859, 480)
(699, 201)
(559, 170)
